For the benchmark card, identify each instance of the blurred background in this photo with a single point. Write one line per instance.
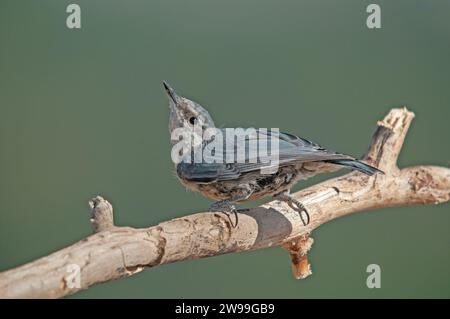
(83, 112)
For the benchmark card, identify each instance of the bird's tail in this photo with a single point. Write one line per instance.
(359, 166)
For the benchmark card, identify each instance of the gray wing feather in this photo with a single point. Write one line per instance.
(292, 150)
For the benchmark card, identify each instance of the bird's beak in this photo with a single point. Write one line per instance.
(170, 92)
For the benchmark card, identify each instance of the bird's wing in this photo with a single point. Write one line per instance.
(292, 150)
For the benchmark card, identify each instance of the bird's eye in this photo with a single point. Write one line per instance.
(193, 120)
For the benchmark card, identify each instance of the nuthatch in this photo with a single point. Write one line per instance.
(230, 183)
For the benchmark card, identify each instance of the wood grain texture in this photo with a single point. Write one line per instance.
(114, 252)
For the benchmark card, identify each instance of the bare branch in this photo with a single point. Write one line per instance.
(115, 252)
(102, 217)
(298, 249)
(387, 141)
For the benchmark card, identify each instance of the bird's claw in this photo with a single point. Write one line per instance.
(295, 205)
(299, 208)
(226, 208)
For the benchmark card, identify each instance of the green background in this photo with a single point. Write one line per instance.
(83, 112)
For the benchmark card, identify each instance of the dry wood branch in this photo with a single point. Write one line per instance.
(114, 252)
(102, 217)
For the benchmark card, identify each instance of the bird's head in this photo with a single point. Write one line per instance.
(185, 113)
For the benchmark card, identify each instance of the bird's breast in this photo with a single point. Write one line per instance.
(261, 185)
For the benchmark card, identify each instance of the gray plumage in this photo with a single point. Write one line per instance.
(293, 150)
(234, 182)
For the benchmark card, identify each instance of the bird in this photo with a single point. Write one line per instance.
(230, 183)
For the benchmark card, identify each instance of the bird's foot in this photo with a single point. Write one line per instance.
(226, 207)
(295, 205)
